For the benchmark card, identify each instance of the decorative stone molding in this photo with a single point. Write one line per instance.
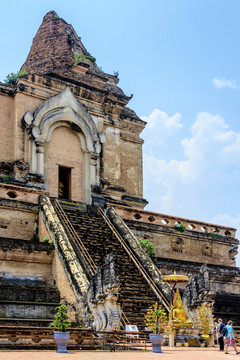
(144, 259)
(198, 289)
(217, 232)
(72, 266)
(103, 295)
(64, 109)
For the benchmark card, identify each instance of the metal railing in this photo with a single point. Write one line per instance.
(131, 254)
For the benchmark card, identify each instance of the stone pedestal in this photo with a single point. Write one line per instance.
(187, 337)
(171, 340)
(211, 340)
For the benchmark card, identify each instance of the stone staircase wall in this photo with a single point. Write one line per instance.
(73, 270)
(27, 301)
(136, 295)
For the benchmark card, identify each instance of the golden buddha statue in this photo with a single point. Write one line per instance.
(177, 314)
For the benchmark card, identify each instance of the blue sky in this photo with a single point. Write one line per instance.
(181, 60)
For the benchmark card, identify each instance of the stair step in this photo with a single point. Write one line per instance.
(28, 303)
(99, 241)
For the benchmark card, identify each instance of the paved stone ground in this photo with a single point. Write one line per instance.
(168, 354)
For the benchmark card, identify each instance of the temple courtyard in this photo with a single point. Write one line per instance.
(173, 353)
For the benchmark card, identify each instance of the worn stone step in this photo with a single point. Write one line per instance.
(28, 310)
(99, 241)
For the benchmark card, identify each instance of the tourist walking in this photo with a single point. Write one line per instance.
(230, 340)
(220, 327)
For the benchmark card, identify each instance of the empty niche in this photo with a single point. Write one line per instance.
(137, 216)
(228, 233)
(178, 245)
(204, 229)
(191, 227)
(12, 194)
(151, 218)
(164, 221)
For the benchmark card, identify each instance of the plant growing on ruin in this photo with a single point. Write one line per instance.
(180, 227)
(215, 236)
(156, 318)
(12, 78)
(44, 239)
(80, 57)
(61, 321)
(149, 248)
(7, 179)
(204, 318)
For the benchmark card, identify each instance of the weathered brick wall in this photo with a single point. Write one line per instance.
(18, 211)
(22, 103)
(122, 157)
(202, 247)
(23, 263)
(122, 151)
(7, 128)
(17, 223)
(59, 277)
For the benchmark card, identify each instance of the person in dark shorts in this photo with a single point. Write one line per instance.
(220, 327)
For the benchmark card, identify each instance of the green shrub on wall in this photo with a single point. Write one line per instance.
(180, 227)
(11, 78)
(149, 248)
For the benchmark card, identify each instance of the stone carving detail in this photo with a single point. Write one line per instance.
(198, 289)
(233, 252)
(178, 245)
(207, 250)
(103, 295)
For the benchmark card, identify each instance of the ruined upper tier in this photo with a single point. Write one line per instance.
(57, 49)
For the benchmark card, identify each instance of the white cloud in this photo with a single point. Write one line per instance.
(212, 140)
(198, 175)
(160, 127)
(159, 119)
(221, 83)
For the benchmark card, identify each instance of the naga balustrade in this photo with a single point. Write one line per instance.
(133, 257)
(76, 240)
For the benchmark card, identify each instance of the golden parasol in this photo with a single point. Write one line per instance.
(175, 279)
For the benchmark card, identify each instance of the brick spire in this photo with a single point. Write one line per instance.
(53, 47)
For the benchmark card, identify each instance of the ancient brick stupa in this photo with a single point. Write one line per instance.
(69, 139)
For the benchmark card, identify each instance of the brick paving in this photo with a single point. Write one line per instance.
(168, 354)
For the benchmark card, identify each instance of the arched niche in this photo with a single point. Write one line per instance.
(64, 111)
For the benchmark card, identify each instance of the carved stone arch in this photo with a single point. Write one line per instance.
(62, 100)
(64, 109)
(80, 135)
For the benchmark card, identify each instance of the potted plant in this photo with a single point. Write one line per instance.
(61, 322)
(155, 320)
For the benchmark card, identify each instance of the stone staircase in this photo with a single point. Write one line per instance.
(26, 300)
(99, 240)
(226, 306)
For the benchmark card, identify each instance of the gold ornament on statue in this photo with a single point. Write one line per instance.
(177, 315)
